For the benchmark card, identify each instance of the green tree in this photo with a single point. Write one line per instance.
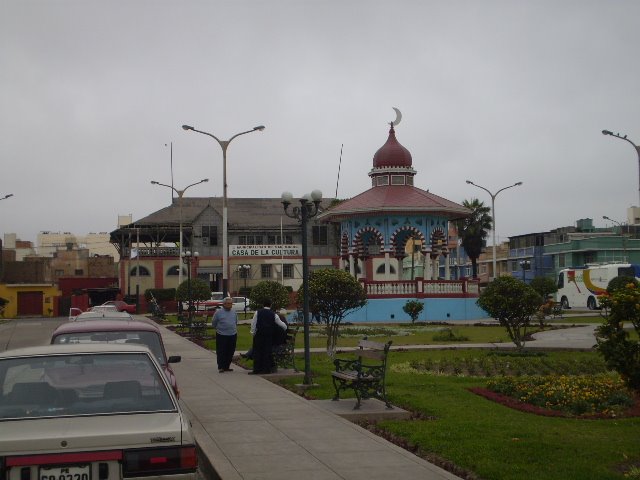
(332, 293)
(473, 230)
(413, 308)
(199, 290)
(545, 286)
(621, 353)
(620, 282)
(269, 290)
(511, 302)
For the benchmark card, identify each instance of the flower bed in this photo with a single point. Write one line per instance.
(599, 396)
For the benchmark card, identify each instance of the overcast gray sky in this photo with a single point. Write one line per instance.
(491, 91)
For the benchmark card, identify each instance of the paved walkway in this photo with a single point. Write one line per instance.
(249, 428)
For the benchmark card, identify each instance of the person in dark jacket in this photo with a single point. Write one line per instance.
(263, 328)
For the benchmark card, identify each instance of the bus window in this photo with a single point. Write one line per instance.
(626, 272)
(561, 280)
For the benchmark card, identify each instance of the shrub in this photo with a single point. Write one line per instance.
(269, 290)
(621, 353)
(413, 308)
(161, 294)
(620, 282)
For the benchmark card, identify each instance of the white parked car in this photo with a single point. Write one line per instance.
(91, 412)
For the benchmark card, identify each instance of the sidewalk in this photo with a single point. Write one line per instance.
(249, 428)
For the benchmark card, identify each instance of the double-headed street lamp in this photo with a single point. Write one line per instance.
(7, 196)
(637, 147)
(624, 237)
(309, 207)
(493, 214)
(180, 194)
(224, 144)
(526, 265)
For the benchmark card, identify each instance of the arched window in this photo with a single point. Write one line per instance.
(144, 271)
(175, 271)
(392, 269)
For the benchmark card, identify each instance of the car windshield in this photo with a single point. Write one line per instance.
(81, 384)
(149, 339)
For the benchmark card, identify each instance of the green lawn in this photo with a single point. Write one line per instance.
(477, 435)
(490, 440)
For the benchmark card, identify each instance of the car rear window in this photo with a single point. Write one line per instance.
(149, 339)
(81, 384)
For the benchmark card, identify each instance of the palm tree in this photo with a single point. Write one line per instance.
(473, 229)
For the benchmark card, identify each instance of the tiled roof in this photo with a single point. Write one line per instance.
(242, 212)
(395, 199)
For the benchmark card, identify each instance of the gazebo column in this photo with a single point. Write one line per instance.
(352, 268)
(434, 267)
(387, 263)
(428, 272)
(447, 274)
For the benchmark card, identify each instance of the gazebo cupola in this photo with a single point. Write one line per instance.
(392, 164)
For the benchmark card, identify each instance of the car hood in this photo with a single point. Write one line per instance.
(104, 432)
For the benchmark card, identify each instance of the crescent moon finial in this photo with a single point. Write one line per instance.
(398, 117)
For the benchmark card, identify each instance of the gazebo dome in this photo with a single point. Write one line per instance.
(392, 154)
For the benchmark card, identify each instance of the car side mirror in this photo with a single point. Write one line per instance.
(174, 359)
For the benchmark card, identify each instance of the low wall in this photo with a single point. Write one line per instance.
(435, 310)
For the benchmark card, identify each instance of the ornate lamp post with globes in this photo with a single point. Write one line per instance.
(224, 144)
(188, 259)
(309, 207)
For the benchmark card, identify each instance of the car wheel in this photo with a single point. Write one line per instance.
(591, 303)
(565, 303)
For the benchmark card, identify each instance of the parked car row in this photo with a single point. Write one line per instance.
(99, 403)
(240, 304)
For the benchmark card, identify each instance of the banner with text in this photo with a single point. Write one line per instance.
(265, 250)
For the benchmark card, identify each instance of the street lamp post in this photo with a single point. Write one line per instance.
(244, 273)
(493, 214)
(224, 144)
(525, 264)
(187, 259)
(180, 193)
(624, 237)
(637, 148)
(309, 207)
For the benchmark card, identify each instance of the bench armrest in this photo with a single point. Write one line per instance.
(342, 365)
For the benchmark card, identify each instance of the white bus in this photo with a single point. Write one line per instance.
(579, 287)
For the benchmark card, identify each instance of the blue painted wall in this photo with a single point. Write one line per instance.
(435, 310)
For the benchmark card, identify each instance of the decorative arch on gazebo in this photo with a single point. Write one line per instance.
(365, 237)
(344, 246)
(400, 237)
(438, 243)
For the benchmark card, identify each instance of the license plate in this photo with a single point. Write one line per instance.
(68, 472)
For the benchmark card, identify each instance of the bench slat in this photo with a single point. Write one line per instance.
(372, 345)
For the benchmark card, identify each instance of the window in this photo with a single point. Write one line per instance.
(561, 260)
(144, 272)
(287, 271)
(59, 273)
(397, 179)
(209, 235)
(319, 234)
(78, 271)
(383, 180)
(275, 239)
(380, 269)
(175, 270)
(250, 239)
(265, 271)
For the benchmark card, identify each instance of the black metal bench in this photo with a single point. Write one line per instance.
(556, 310)
(365, 375)
(284, 355)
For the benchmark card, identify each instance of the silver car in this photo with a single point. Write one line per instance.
(90, 412)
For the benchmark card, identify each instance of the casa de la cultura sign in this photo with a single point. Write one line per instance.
(265, 250)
